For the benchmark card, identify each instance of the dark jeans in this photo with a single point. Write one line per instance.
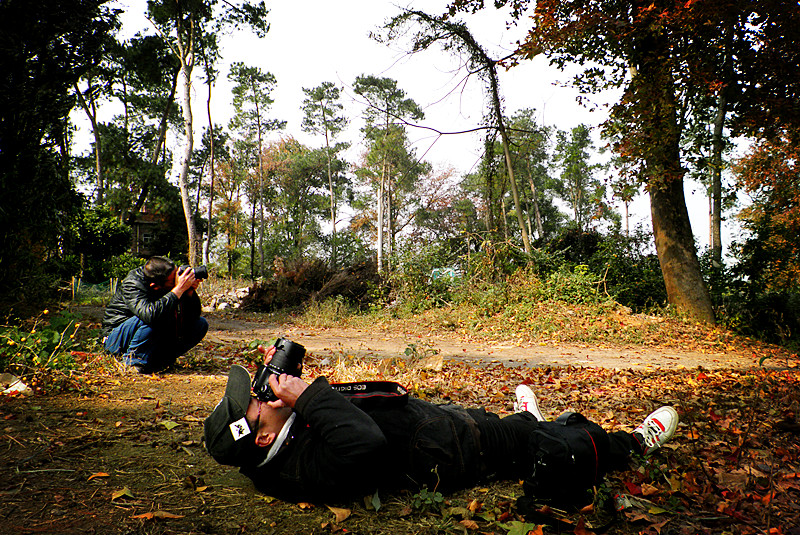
(152, 349)
(504, 442)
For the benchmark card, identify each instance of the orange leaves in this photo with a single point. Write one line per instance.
(157, 515)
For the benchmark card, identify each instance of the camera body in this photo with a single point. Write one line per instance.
(288, 359)
(200, 272)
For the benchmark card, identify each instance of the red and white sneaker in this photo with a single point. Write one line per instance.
(656, 429)
(526, 402)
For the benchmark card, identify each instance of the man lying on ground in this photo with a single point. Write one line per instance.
(320, 442)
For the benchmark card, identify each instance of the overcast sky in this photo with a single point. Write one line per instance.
(313, 41)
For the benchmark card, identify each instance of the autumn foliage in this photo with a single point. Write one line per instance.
(770, 175)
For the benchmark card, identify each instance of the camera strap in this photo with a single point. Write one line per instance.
(373, 393)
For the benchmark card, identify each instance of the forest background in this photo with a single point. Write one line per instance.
(682, 87)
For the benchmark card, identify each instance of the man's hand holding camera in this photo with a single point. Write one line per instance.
(285, 387)
(185, 281)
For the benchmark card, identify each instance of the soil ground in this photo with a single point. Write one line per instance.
(385, 344)
(123, 453)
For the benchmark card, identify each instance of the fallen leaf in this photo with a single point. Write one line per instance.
(170, 425)
(122, 493)
(157, 515)
(469, 524)
(649, 490)
(340, 514)
(98, 474)
(463, 512)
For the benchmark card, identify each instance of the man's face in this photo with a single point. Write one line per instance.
(169, 283)
(265, 421)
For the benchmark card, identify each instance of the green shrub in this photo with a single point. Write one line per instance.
(577, 286)
(120, 265)
(412, 283)
(630, 270)
(42, 346)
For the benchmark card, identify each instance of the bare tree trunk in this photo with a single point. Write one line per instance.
(91, 113)
(627, 218)
(332, 196)
(535, 200)
(718, 145)
(526, 242)
(260, 184)
(207, 247)
(381, 201)
(186, 60)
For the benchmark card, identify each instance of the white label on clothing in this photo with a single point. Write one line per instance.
(239, 429)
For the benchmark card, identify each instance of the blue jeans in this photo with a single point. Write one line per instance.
(152, 349)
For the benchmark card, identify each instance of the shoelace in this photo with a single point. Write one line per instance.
(651, 432)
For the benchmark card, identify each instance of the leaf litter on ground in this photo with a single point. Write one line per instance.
(733, 466)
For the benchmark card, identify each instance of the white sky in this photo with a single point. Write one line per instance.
(313, 41)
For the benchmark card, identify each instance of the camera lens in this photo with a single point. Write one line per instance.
(288, 359)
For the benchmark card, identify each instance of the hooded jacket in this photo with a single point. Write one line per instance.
(339, 449)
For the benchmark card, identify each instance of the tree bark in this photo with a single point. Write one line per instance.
(526, 242)
(686, 289)
(186, 59)
(718, 145)
(535, 201)
(212, 156)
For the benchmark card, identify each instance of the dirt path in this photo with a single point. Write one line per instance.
(381, 344)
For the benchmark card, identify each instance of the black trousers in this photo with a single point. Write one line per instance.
(505, 451)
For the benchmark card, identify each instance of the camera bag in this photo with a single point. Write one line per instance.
(568, 458)
(371, 394)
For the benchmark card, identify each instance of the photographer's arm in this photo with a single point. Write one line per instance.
(139, 300)
(350, 437)
(336, 452)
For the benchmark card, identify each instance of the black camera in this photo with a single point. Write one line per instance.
(288, 359)
(200, 272)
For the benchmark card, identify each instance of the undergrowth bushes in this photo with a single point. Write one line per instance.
(577, 268)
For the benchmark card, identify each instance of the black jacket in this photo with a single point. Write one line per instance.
(337, 450)
(158, 308)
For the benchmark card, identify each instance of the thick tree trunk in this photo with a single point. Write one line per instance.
(672, 230)
(686, 289)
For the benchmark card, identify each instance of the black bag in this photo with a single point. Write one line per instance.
(568, 460)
